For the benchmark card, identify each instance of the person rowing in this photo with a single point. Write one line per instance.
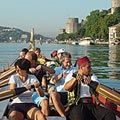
(57, 93)
(22, 106)
(83, 108)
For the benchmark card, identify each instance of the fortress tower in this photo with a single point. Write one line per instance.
(115, 4)
(71, 25)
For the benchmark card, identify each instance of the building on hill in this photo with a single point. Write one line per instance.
(62, 31)
(24, 38)
(71, 25)
(114, 35)
(115, 4)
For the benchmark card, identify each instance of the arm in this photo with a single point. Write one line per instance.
(38, 89)
(70, 84)
(12, 86)
(12, 83)
(50, 70)
(57, 77)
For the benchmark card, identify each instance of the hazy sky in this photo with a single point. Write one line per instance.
(46, 16)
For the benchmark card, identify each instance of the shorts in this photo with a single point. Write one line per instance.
(63, 97)
(21, 107)
(38, 99)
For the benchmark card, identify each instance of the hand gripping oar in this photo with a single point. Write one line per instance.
(103, 90)
(107, 92)
(11, 93)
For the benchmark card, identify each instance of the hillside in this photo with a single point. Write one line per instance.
(8, 34)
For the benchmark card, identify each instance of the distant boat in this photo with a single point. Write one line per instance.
(75, 43)
(86, 41)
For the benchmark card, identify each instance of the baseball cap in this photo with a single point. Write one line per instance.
(62, 50)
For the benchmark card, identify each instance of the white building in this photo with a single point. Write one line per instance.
(114, 34)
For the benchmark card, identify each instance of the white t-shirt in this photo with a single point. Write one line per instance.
(60, 84)
(85, 89)
(26, 96)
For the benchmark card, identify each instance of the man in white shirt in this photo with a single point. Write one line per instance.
(60, 95)
(84, 108)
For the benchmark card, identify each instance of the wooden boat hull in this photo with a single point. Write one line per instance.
(107, 96)
(108, 103)
(105, 91)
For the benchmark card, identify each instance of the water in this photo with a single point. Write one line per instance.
(105, 59)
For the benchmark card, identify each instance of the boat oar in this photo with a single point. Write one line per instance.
(14, 61)
(7, 73)
(4, 83)
(11, 93)
(106, 91)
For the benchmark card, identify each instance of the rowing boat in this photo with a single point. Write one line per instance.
(107, 96)
(104, 100)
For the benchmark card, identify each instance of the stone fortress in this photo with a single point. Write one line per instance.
(115, 4)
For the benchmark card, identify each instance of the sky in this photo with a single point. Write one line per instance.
(47, 17)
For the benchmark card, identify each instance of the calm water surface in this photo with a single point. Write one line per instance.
(105, 59)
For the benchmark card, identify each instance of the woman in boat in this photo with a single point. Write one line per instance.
(22, 106)
(83, 108)
(40, 57)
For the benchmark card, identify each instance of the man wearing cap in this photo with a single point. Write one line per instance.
(54, 60)
(60, 95)
(83, 108)
(59, 54)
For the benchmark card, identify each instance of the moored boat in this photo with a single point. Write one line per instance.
(86, 41)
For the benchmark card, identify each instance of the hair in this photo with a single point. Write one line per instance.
(33, 55)
(38, 49)
(25, 50)
(23, 64)
(65, 55)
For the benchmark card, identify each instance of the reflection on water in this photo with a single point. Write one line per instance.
(114, 62)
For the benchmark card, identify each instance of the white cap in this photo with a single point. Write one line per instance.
(62, 50)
